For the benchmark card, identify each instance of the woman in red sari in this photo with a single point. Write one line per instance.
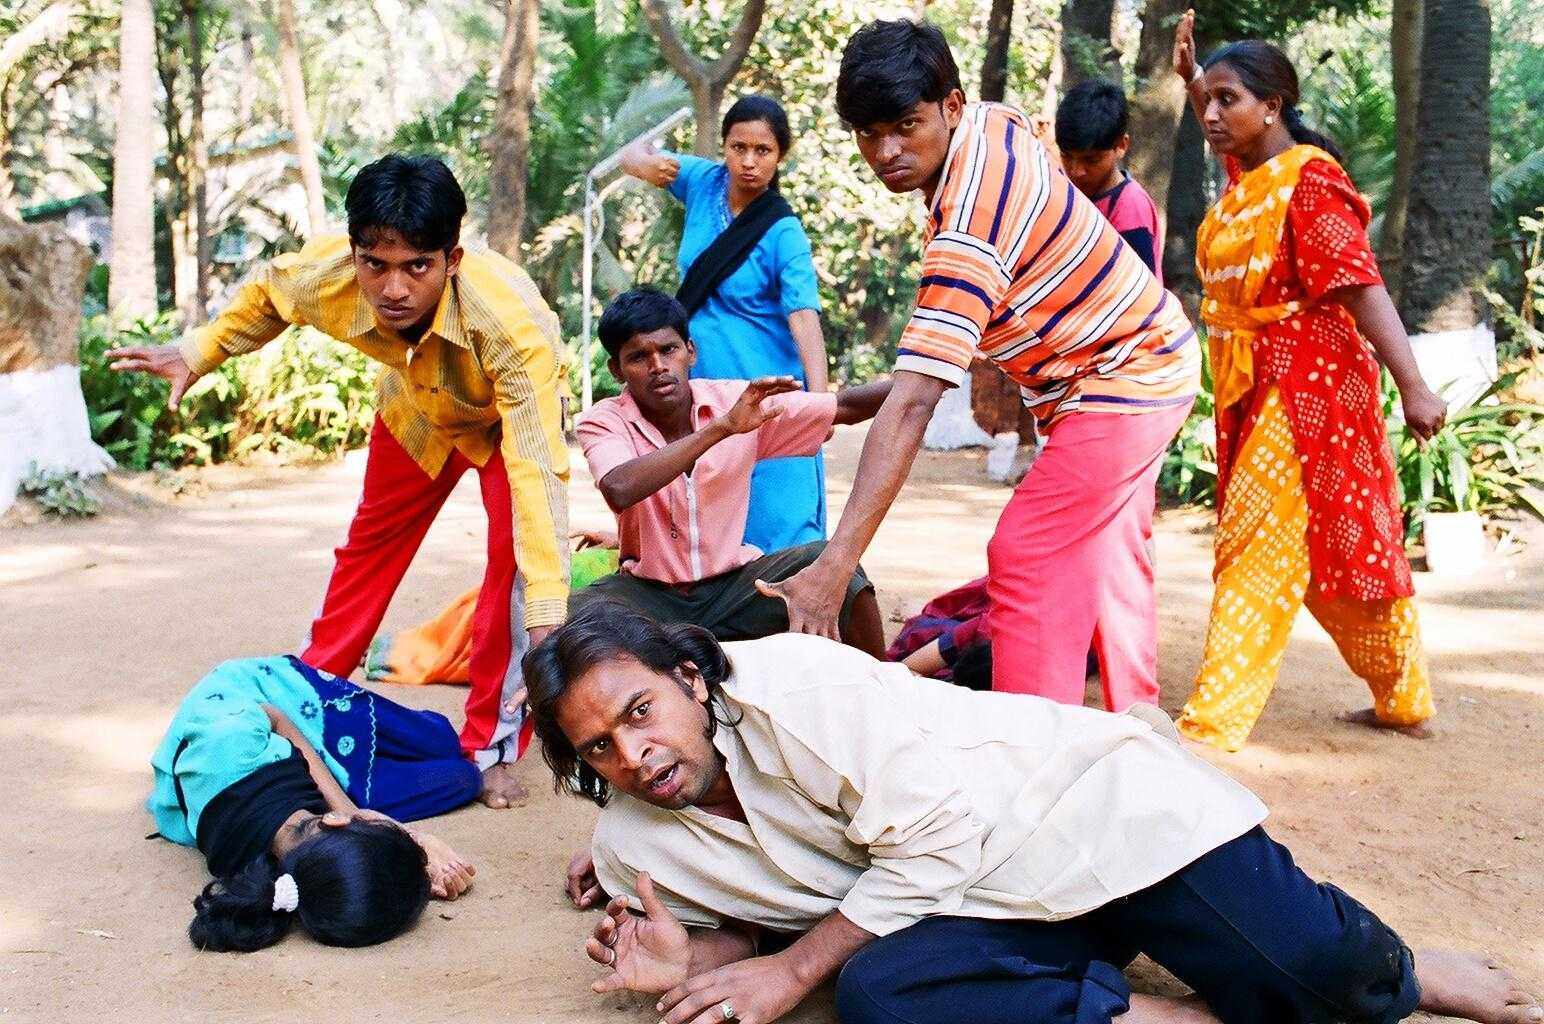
(1298, 321)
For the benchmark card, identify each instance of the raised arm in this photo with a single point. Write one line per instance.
(633, 481)
(1186, 66)
(644, 162)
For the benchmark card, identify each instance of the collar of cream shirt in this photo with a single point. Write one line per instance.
(447, 323)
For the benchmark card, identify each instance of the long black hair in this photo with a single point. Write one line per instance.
(360, 884)
(1266, 71)
(601, 632)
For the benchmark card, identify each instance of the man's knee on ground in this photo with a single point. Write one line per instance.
(1363, 971)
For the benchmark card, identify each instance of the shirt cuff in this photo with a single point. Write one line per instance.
(546, 605)
(944, 370)
(201, 353)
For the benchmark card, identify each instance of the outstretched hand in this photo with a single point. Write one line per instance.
(1185, 47)
(814, 600)
(750, 410)
(450, 874)
(652, 953)
(162, 360)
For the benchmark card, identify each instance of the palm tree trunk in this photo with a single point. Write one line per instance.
(131, 282)
(1157, 103)
(197, 310)
(1447, 228)
(999, 37)
(509, 144)
(1405, 42)
(300, 117)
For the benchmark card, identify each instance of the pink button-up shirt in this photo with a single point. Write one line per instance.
(693, 528)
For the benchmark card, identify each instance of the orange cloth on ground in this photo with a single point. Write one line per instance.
(436, 651)
(1262, 576)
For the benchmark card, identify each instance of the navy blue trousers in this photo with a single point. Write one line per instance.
(1255, 937)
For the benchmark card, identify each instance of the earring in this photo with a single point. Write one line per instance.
(1269, 119)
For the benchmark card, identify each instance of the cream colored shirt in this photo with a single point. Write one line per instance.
(893, 798)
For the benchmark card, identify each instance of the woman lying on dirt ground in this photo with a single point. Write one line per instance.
(292, 783)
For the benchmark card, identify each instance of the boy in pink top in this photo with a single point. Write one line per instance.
(673, 458)
(1091, 133)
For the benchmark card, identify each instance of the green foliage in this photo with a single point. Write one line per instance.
(1486, 459)
(1519, 335)
(128, 411)
(1351, 100)
(1188, 475)
(302, 396)
(62, 494)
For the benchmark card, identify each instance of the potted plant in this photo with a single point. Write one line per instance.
(1486, 460)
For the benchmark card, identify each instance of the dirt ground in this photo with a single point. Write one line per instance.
(105, 624)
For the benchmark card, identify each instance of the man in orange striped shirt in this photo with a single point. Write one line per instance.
(1019, 266)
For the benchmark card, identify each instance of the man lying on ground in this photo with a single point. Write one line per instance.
(673, 458)
(956, 855)
(288, 780)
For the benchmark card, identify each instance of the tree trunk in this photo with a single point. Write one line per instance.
(1157, 102)
(1447, 229)
(300, 117)
(708, 81)
(509, 144)
(1087, 51)
(43, 419)
(131, 281)
(1405, 42)
(197, 310)
(999, 37)
(1187, 207)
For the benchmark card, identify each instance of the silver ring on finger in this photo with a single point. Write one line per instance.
(613, 961)
(727, 1009)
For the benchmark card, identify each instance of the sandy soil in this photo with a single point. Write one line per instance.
(104, 625)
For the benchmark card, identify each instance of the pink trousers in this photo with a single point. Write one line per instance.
(1070, 564)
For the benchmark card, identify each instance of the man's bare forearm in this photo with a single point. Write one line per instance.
(713, 948)
(888, 453)
(635, 480)
(856, 404)
(821, 951)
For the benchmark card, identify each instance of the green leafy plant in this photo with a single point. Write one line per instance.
(1188, 475)
(1488, 458)
(62, 494)
(303, 396)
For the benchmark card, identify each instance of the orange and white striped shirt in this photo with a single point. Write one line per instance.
(1020, 266)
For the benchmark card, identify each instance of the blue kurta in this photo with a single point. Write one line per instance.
(388, 758)
(742, 332)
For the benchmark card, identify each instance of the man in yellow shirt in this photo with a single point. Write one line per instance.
(471, 381)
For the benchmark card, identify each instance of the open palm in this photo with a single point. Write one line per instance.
(651, 953)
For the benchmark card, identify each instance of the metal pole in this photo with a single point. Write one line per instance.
(587, 389)
(592, 228)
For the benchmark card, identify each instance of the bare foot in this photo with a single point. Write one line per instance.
(1146, 1009)
(1473, 987)
(1367, 717)
(500, 787)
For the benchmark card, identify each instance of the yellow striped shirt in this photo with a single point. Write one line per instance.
(487, 374)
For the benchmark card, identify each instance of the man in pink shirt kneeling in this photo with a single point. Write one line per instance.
(673, 457)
